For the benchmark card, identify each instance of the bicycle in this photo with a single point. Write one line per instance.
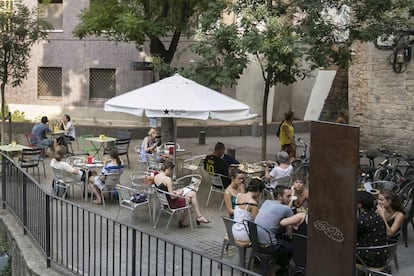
(301, 165)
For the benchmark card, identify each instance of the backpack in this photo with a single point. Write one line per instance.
(278, 129)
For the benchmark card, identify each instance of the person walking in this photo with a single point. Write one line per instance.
(287, 132)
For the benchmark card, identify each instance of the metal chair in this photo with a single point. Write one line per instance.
(194, 179)
(229, 240)
(142, 163)
(390, 250)
(153, 162)
(124, 196)
(193, 164)
(299, 244)
(264, 259)
(68, 180)
(111, 180)
(216, 186)
(165, 208)
(30, 158)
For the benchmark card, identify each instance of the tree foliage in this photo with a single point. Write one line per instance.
(21, 28)
(290, 38)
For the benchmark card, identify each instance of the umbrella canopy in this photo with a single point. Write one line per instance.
(178, 97)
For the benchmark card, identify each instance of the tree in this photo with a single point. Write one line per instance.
(137, 21)
(21, 28)
(290, 38)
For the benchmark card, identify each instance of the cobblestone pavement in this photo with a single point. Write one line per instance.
(206, 238)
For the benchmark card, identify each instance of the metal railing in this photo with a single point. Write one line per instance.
(87, 243)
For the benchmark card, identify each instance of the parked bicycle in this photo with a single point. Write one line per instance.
(302, 162)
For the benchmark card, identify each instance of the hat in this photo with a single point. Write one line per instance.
(282, 157)
(44, 120)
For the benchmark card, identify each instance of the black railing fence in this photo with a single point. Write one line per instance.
(87, 243)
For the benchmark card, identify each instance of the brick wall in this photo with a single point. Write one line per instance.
(380, 100)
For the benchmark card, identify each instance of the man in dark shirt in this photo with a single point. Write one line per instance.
(371, 231)
(215, 164)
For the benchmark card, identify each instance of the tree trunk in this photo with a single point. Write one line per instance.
(3, 121)
(264, 116)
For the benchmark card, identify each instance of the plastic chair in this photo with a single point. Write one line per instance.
(142, 163)
(390, 250)
(85, 146)
(165, 208)
(216, 186)
(124, 196)
(229, 240)
(30, 158)
(69, 180)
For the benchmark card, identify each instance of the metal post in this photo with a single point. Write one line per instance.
(24, 204)
(9, 117)
(202, 137)
(47, 234)
(232, 153)
(3, 179)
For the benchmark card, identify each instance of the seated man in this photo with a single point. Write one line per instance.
(58, 163)
(268, 221)
(40, 130)
(213, 163)
(371, 231)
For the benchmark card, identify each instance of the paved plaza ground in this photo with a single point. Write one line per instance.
(206, 238)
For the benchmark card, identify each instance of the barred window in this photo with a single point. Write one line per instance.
(53, 13)
(101, 83)
(7, 4)
(49, 82)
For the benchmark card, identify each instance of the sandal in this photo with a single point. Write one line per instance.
(202, 219)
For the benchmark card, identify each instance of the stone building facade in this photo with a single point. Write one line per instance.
(381, 101)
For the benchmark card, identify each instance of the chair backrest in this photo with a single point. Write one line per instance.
(33, 155)
(73, 160)
(65, 177)
(84, 145)
(123, 134)
(251, 230)
(162, 197)
(137, 179)
(112, 179)
(216, 180)
(299, 249)
(31, 139)
(228, 223)
(390, 250)
(122, 145)
(153, 161)
(124, 193)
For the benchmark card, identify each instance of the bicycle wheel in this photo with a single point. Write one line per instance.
(302, 169)
(406, 193)
(384, 173)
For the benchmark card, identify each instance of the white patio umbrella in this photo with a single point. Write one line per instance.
(178, 97)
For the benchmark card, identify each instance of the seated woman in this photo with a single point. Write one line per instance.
(236, 187)
(246, 209)
(149, 144)
(282, 170)
(163, 182)
(98, 181)
(300, 192)
(390, 209)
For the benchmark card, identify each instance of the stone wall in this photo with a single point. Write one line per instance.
(380, 100)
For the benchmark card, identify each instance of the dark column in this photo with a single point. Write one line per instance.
(332, 199)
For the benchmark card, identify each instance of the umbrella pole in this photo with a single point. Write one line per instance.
(175, 150)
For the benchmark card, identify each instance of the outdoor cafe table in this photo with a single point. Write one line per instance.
(9, 149)
(250, 170)
(101, 141)
(55, 133)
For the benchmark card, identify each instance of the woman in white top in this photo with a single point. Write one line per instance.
(246, 209)
(282, 170)
(66, 125)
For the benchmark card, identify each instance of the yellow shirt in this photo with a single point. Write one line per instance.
(285, 140)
